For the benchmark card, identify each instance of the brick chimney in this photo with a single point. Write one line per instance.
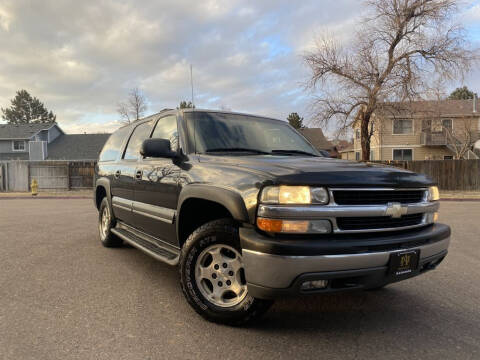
(475, 103)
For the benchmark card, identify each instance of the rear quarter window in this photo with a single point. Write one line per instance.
(112, 147)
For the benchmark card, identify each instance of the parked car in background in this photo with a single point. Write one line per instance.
(250, 211)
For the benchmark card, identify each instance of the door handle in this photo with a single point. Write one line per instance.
(117, 174)
(138, 174)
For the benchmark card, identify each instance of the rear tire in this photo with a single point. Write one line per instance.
(106, 221)
(212, 275)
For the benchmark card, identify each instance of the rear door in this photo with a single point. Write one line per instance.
(111, 161)
(156, 189)
(124, 174)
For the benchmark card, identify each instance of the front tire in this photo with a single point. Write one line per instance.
(106, 221)
(213, 277)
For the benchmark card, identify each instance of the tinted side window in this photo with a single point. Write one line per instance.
(111, 149)
(140, 133)
(167, 129)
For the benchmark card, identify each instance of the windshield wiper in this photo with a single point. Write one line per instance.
(293, 152)
(236, 149)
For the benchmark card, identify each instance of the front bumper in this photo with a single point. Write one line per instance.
(278, 267)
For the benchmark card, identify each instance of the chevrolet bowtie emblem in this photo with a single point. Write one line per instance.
(395, 210)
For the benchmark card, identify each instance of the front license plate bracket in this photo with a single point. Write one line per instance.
(404, 263)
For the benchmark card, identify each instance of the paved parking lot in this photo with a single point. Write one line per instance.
(64, 296)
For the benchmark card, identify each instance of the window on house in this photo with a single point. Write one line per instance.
(19, 145)
(402, 126)
(357, 134)
(357, 156)
(372, 155)
(447, 124)
(448, 157)
(426, 125)
(403, 154)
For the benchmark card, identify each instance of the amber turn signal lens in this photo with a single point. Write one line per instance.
(294, 226)
(269, 225)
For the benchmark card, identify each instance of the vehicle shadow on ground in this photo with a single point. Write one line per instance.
(394, 308)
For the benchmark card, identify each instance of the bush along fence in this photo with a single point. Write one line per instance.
(51, 175)
(458, 175)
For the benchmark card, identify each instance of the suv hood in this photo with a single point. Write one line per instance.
(320, 171)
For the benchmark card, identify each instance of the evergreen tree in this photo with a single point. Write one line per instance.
(27, 109)
(295, 120)
(462, 93)
(185, 105)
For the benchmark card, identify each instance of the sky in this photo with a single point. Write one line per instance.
(81, 58)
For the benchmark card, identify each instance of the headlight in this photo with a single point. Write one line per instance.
(433, 193)
(294, 195)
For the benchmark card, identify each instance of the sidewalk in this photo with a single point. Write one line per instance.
(460, 195)
(74, 194)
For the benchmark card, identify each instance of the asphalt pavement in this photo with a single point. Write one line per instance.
(64, 296)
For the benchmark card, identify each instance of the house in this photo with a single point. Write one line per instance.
(347, 153)
(47, 141)
(317, 139)
(77, 147)
(421, 130)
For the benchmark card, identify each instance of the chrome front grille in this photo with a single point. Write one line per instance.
(379, 222)
(377, 197)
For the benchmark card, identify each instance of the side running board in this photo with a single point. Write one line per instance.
(148, 244)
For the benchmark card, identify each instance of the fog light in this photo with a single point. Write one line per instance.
(315, 284)
(432, 217)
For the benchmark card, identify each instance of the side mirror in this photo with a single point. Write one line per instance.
(159, 148)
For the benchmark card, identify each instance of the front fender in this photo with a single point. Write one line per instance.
(230, 199)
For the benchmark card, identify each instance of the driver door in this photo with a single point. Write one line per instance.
(156, 187)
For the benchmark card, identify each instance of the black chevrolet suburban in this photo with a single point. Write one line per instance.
(250, 211)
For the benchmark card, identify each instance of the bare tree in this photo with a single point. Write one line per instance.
(398, 48)
(134, 107)
(461, 137)
(457, 133)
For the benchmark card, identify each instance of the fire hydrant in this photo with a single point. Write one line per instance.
(34, 187)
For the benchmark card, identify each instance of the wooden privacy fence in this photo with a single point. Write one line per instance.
(463, 175)
(50, 175)
(460, 175)
(81, 174)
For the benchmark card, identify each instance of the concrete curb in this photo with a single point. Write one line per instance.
(460, 199)
(44, 197)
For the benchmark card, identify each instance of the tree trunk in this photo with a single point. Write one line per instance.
(365, 135)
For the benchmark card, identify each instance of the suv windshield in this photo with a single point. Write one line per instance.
(223, 132)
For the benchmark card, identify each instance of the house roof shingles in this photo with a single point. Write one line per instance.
(431, 108)
(21, 131)
(316, 137)
(77, 147)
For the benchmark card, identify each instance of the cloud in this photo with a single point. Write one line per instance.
(82, 57)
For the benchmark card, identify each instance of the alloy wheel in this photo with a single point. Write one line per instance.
(220, 275)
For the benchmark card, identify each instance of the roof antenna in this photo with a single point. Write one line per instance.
(194, 115)
(191, 84)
